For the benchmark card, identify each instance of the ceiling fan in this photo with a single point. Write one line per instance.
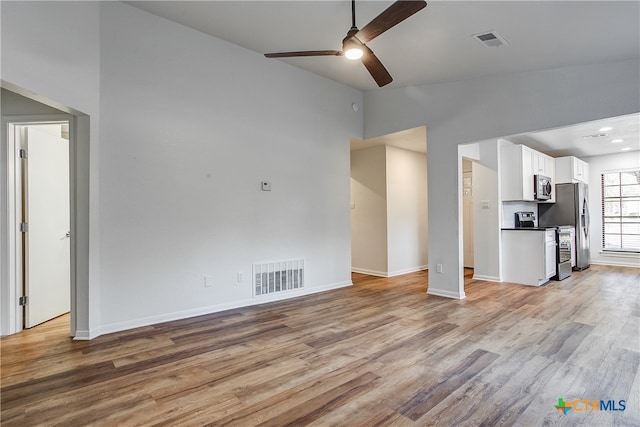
(353, 45)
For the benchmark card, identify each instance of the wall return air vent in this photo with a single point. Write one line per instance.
(490, 39)
(277, 277)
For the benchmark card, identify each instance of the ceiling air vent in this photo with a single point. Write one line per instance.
(490, 39)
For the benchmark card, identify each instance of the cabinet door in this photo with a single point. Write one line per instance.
(538, 163)
(586, 172)
(527, 173)
(578, 169)
(550, 171)
(549, 167)
(575, 169)
(550, 254)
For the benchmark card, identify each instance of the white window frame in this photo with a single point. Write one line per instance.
(621, 217)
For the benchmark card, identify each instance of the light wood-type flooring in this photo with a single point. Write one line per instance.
(380, 353)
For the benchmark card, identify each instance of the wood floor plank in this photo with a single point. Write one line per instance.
(382, 352)
(324, 403)
(426, 399)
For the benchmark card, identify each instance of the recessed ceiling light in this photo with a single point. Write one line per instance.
(625, 149)
(605, 129)
(615, 141)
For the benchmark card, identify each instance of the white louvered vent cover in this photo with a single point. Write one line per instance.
(278, 276)
(490, 39)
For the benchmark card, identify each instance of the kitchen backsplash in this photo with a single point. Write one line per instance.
(510, 208)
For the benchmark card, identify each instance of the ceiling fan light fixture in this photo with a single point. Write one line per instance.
(352, 49)
(353, 53)
(353, 45)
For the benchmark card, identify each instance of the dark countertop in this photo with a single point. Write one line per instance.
(530, 228)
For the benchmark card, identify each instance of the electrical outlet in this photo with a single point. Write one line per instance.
(438, 268)
(240, 277)
(208, 281)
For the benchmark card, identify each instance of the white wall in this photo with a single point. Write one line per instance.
(389, 218)
(190, 125)
(511, 207)
(490, 107)
(50, 52)
(369, 212)
(598, 165)
(406, 211)
(183, 128)
(486, 223)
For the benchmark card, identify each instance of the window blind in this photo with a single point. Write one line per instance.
(621, 211)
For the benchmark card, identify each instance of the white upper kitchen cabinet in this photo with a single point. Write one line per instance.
(546, 166)
(543, 165)
(518, 165)
(571, 169)
(516, 172)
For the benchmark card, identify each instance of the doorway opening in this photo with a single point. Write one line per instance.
(389, 216)
(479, 211)
(467, 216)
(40, 227)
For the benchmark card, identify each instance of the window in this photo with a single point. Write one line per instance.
(621, 211)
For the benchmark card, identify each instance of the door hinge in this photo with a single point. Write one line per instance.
(24, 227)
(24, 300)
(23, 153)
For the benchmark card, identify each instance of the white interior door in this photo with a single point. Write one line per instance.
(47, 245)
(467, 219)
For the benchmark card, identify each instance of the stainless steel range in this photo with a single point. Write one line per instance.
(564, 249)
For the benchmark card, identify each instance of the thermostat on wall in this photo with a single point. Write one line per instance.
(266, 185)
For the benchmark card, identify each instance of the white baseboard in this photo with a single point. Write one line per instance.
(83, 335)
(616, 263)
(487, 278)
(446, 293)
(407, 271)
(387, 273)
(369, 272)
(152, 320)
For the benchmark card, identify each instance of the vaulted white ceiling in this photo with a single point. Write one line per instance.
(435, 45)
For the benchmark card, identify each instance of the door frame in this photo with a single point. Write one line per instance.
(14, 214)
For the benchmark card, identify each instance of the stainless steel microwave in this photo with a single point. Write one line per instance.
(542, 187)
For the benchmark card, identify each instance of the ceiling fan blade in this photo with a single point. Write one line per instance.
(304, 53)
(392, 16)
(375, 67)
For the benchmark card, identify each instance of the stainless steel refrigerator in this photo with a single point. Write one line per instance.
(571, 208)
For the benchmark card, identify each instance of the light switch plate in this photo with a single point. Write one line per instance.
(208, 282)
(266, 185)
